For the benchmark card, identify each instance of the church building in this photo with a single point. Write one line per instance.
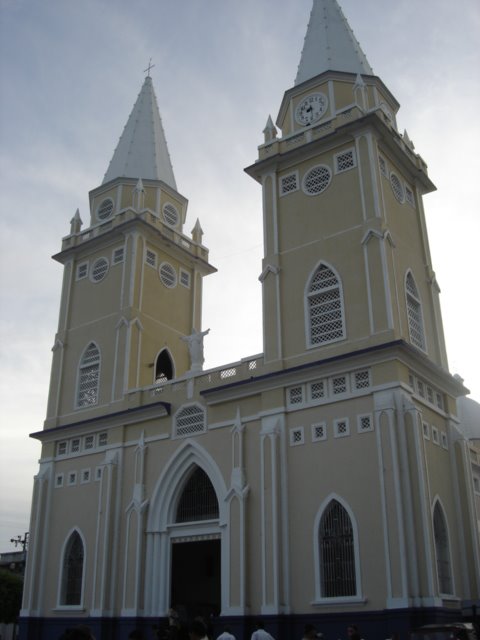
(324, 481)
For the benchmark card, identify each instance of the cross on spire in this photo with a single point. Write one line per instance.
(150, 66)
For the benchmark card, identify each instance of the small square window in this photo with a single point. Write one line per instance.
(439, 400)
(361, 379)
(288, 184)
(62, 448)
(102, 439)
(319, 431)
(317, 390)
(59, 480)
(295, 395)
(426, 431)
(184, 278)
(75, 445)
(85, 476)
(421, 388)
(430, 394)
(365, 423)
(341, 428)
(345, 161)
(82, 270)
(435, 435)
(383, 166)
(444, 440)
(296, 436)
(72, 478)
(339, 385)
(151, 258)
(98, 474)
(118, 255)
(409, 197)
(89, 442)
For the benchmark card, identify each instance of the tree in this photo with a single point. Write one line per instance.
(11, 587)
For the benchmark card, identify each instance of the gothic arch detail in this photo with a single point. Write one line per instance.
(324, 308)
(414, 313)
(88, 379)
(72, 571)
(442, 550)
(164, 367)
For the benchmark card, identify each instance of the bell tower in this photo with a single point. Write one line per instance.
(346, 262)
(132, 285)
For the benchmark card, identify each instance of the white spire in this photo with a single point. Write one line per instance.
(142, 149)
(330, 44)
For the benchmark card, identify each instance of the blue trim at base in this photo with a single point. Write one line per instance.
(374, 625)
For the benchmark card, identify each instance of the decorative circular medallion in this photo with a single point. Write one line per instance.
(316, 180)
(170, 214)
(99, 270)
(105, 209)
(311, 108)
(397, 188)
(168, 275)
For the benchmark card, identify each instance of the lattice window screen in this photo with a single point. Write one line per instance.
(190, 420)
(325, 307)
(317, 180)
(337, 553)
(414, 314)
(88, 380)
(198, 500)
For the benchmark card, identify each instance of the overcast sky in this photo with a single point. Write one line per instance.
(70, 72)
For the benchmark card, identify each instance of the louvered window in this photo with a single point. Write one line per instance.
(442, 551)
(168, 275)
(414, 313)
(72, 575)
(317, 180)
(88, 378)
(337, 553)
(198, 500)
(325, 307)
(190, 420)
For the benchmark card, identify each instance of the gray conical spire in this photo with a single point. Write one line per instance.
(330, 44)
(142, 149)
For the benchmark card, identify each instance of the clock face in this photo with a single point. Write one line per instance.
(311, 108)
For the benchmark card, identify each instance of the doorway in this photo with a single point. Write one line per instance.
(196, 579)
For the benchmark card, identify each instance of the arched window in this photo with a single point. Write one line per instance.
(442, 550)
(325, 318)
(189, 420)
(414, 313)
(88, 377)
(336, 553)
(163, 367)
(72, 571)
(198, 500)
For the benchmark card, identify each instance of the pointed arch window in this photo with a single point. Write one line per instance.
(442, 551)
(72, 571)
(89, 377)
(338, 576)
(198, 500)
(325, 313)
(163, 367)
(414, 313)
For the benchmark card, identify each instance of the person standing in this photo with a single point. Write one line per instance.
(226, 635)
(260, 633)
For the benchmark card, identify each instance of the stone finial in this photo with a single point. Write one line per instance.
(408, 142)
(270, 131)
(359, 82)
(139, 196)
(197, 232)
(76, 223)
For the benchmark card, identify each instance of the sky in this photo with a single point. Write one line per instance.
(70, 72)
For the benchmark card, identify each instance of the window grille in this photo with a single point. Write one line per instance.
(397, 188)
(102, 439)
(421, 388)
(341, 428)
(426, 431)
(198, 500)
(89, 442)
(88, 381)
(190, 420)
(414, 313)
(409, 197)
(444, 440)
(430, 394)
(317, 390)
(72, 478)
(295, 395)
(365, 423)
(61, 448)
(442, 551)
(105, 209)
(288, 184)
(185, 278)
(82, 270)
(319, 432)
(337, 553)
(168, 275)
(345, 161)
(118, 255)
(75, 445)
(59, 480)
(151, 258)
(317, 180)
(362, 379)
(435, 435)
(439, 400)
(325, 307)
(72, 577)
(99, 270)
(170, 214)
(228, 373)
(296, 436)
(383, 166)
(339, 385)
(85, 476)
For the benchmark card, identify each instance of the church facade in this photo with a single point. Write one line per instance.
(323, 481)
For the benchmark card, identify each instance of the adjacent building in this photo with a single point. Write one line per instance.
(325, 480)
